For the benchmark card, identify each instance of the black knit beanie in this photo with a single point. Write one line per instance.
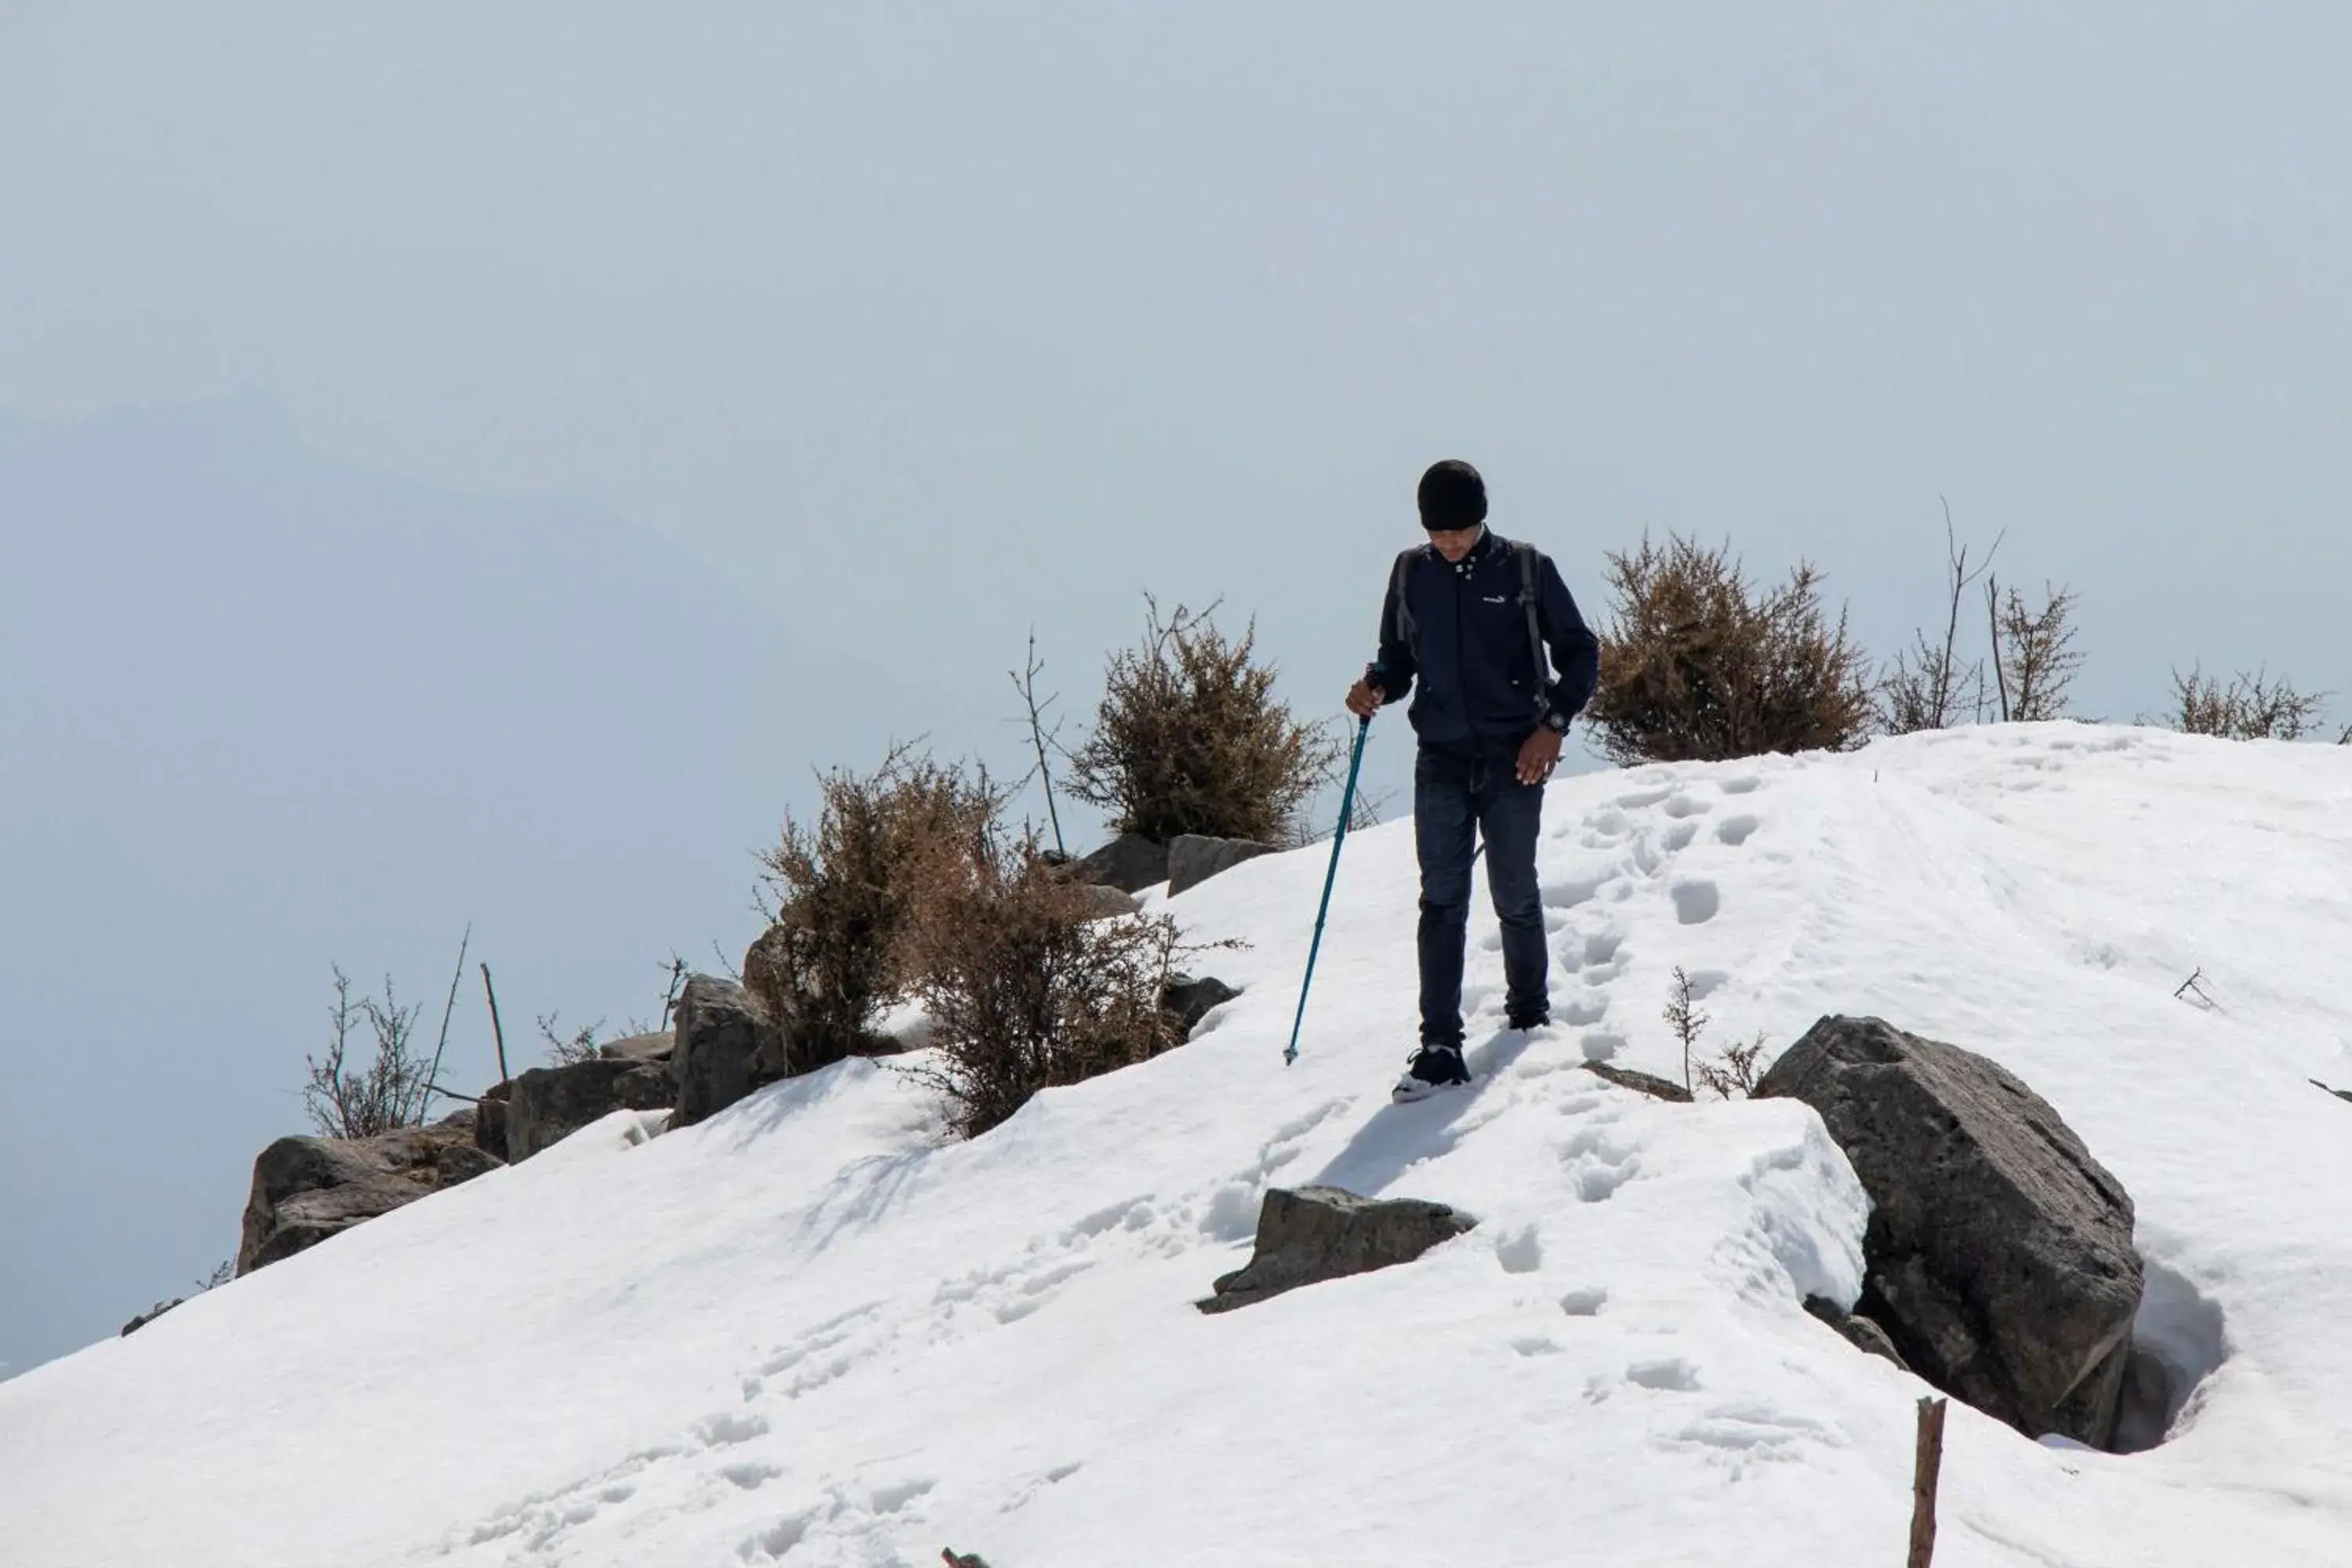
(1452, 496)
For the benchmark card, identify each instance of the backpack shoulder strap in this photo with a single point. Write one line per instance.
(1408, 629)
(1530, 600)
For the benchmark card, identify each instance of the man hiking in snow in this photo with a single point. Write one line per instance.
(1470, 614)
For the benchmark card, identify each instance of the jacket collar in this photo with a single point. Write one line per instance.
(1489, 544)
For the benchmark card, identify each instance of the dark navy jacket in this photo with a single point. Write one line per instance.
(1469, 646)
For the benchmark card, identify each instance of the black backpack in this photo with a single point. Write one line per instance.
(1408, 629)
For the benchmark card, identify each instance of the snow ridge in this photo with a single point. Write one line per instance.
(811, 1332)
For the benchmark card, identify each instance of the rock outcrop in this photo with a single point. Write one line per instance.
(1999, 1253)
(1101, 901)
(1858, 1331)
(1195, 858)
(547, 1105)
(1130, 862)
(490, 1120)
(1192, 1000)
(654, 1048)
(728, 1044)
(308, 1189)
(1323, 1232)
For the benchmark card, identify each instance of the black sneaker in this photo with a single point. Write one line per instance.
(1432, 1067)
(1529, 1018)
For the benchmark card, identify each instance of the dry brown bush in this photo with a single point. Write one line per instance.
(2256, 707)
(847, 893)
(1022, 991)
(1191, 738)
(1696, 666)
(2034, 659)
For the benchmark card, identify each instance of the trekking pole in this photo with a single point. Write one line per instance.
(1346, 809)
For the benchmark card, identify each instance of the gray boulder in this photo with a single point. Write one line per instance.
(654, 1048)
(1101, 901)
(490, 1120)
(1323, 1232)
(308, 1189)
(1195, 858)
(1192, 1000)
(1858, 1331)
(728, 1044)
(548, 1105)
(1130, 862)
(1999, 1253)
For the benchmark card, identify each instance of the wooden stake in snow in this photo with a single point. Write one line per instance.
(1924, 1470)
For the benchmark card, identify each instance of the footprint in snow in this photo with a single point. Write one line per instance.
(1696, 902)
(1598, 1163)
(862, 1524)
(1579, 1012)
(1674, 1375)
(1585, 1303)
(1521, 1252)
(1735, 830)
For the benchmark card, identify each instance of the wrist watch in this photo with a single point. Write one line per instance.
(1556, 722)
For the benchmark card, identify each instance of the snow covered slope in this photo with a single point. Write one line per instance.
(808, 1332)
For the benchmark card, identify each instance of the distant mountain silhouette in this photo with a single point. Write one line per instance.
(262, 709)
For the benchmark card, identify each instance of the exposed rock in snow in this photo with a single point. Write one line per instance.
(550, 1104)
(2000, 1252)
(1192, 1000)
(1859, 1332)
(1104, 902)
(490, 1120)
(1195, 858)
(1130, 862)
(728, 1046)
(308, 1189)
(653, 1048)
(1322, 1233)
(1640, 1082)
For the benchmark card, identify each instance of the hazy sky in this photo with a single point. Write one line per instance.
(903, 329)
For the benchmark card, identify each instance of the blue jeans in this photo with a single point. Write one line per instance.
(1457, 797)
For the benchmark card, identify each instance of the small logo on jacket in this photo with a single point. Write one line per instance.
(1499, 599)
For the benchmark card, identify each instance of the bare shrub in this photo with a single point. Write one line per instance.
(586, 1042)
(1932, 685)
(1696, 666)
(390, 1091)
(1024, 992)
(2034, 659)
(1191, 738)
(1044, 741)
(846, 892)
(2255, 707)
(1733, 1073)
(564, 1051)
(1682, 1017)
